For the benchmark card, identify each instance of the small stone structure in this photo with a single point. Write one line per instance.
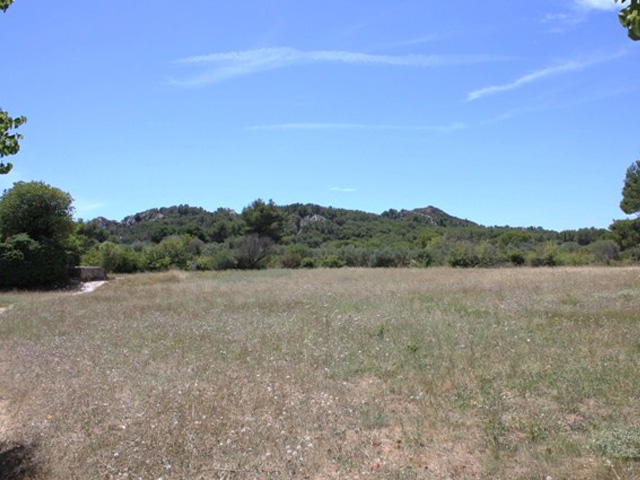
(88, 274)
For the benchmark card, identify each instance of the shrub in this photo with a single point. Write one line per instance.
(631, 255)
(385, 257)
(547, 256)
(574, 259)
(25, 262)
(462, 254)
(154, 258)
(516, 257)
(292, 257)
(252, 251)
(308, 262)
(332, 261)
(605, 251)
(423, 257)
(224, 259)
(355, 256)
(487, 255)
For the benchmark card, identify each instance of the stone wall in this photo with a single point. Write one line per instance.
(88, 274)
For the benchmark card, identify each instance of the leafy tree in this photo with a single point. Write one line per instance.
(630, 18)
(8, 141)
(626, 233)
(4, 4)
(631, 191)
(37, 209)
(264, 219)
(35, 229)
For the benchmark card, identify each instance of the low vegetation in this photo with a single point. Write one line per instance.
(353, 373)
(265, 235)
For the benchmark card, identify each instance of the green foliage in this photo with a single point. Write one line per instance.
(25, 262)
(619, 443)
(425, 237)
(514, 237)
(516, 257)
(223, 258)
(174, 251)
(626, 233)
(9, 141)
(605, 251)
(4, 4)
(92, 231)
(583, 236)
(114, 258)
(293, 256)
(155, 258)
(390, 256)
(332, 261)
(311, 235)
(35, 228)
(545, 256)
(264, 219)
(308, 262)
(463, 254)
(630, 18)
(630, 203)
(37, 209)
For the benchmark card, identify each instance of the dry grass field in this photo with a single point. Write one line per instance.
(326, 374)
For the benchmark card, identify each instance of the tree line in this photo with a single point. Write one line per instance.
(40, 241)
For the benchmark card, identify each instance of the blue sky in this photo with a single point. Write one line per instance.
(505, 113)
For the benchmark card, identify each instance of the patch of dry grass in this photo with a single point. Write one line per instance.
(326, 374)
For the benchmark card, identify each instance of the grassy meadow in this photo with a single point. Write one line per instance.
(327, 374)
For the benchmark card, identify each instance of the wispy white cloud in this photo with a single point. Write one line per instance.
(82, 206)
(570, 66)
(448, 128)
(596, 4)
(343, 190)
(414, 41)
(222, 66)
(577, 12)
(560, 22)
(561, 101)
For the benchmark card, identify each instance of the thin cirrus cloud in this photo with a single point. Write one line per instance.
(448, 128)
(223, 66)
(596, 4)
(570, 66)
(343, 190)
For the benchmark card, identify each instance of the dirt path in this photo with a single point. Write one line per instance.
(88, 287)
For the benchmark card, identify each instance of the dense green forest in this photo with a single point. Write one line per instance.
(306, 236)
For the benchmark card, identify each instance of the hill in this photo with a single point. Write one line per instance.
(310, 223)
(308, 235)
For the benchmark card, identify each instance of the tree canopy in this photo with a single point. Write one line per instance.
(630, 203)
(264, 219)
(9, 144)
(4, 4)
(35, 233)
(37, 209)
(630, 18)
